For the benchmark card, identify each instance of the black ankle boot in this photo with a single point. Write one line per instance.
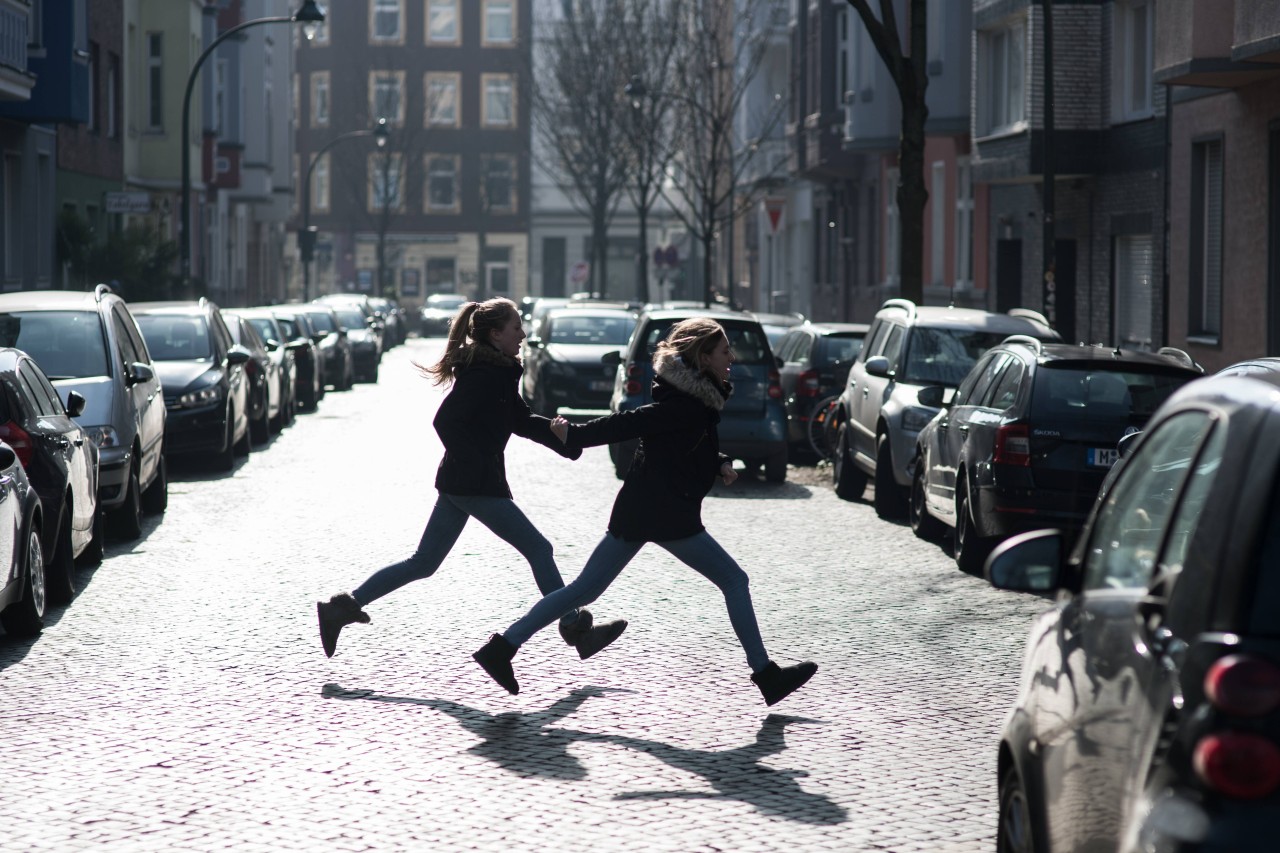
(574, 630)
(494, 658)
(339, 611)
(778, 682)
(599, 636)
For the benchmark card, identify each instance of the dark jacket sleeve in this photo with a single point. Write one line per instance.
(536, 428)
(667, 416)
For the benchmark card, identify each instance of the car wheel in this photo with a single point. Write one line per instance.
(225, 460)
(890, 499)
(850, 483)
(971, 548)
(126, 520)
(775, 467)
(60, 571)
(922, 524)
(1014, 833)
(93, 552)
(25, 618)
(261, 427)
(155, 499)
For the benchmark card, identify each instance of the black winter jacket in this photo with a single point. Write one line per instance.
(678, 458)
(475, 421)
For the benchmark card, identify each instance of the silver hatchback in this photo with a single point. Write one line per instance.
(88, 342)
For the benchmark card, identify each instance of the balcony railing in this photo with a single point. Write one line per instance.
(16, 82)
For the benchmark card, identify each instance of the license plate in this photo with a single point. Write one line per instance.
(601, 385)
(1103, 457)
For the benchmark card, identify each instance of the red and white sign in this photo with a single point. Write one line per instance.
(773, 207)
(579, 272)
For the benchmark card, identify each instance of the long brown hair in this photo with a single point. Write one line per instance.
(691, 339)
(470, 327)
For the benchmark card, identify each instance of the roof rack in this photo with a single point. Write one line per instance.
(1028, 314)
(905, 304)
(1034, 343)
(1181, 356)
(100, 291)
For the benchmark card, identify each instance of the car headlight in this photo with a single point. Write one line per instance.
(200, 397)
(103, 436)
(914, 418)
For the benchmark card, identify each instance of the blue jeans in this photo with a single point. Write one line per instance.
(450, 515)
(699, 552)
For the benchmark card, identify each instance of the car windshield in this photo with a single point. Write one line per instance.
(944, 356)
(176, 338)
(323, 321)
(66, 344)
(445, 302)
(1062, 391)
(350, 318)
(612, 331)
(748, 341)
(265, 328)
(843, 348)
(289, 327)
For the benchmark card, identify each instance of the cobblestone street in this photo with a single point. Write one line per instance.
(182, 701)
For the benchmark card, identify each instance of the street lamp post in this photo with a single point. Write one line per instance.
(635, 92)
(311, 16)
(306, 236)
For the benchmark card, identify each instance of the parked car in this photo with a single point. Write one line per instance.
(89, 342)
(366, 351)
(777, 325)
(331, 337)
(562, 367)
(371, 320)
(61, 463)
(22, 587)
(753, 426)
(202, 370)
(1029, 436)
(300, 338)
(281, 350)
(268, 394)
(880, 414)
(438, 312)
(393, 318)
(815, 365)
(1148, 713)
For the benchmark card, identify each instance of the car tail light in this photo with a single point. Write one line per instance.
(633, 386)
(775, 384)
(1013, 445)
(1238, 764)
(807, 384)
(17, 438)
(1243, 685)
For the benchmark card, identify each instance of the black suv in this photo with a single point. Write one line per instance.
(1029, 436)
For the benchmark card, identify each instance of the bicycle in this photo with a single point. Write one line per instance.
(824, 425)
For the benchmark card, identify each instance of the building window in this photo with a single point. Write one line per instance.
(1131, 83)
(892, 229)
(385, 18)
(843, 81)
(964, 224)
(1134, 259)
(442, 275)
(499, 22)
(938, 222)
(320, 99)
(499, 190)
(219, 96)
(1205, 279)
(155, 81)
(497, 270)
(320, 186)
(1002, 78)
(498, 107)
(386, 96)
(442, 99)
(113, 96)
(386, 182)
(442, 183)
(95, 69)
(443, 26)
(935, 33)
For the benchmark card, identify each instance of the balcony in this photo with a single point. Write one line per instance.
(16, 82)
(1216, 43)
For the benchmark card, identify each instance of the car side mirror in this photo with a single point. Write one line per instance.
(1028, 562)
(7, 457)
(75, 403)
(297, 344)
(933, 396)
(140, 371)
(879, 366)
(778, 362)
(238, 355)
(272, 345)
(318, 337)
(611, 359)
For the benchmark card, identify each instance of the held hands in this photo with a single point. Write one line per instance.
(560, 428)
(727, 474)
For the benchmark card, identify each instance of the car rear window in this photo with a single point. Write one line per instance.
(266, 329)
(66, 344)
(1066, 391)
(838, 347)
(590, 330)
(747, 340)
(175, 337)
(945, 356)
(322, 320)
(351, 319)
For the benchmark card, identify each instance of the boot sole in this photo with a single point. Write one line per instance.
(614, 632)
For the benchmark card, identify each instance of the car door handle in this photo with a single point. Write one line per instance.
(866, 392)
(963, 427)
(79, 442)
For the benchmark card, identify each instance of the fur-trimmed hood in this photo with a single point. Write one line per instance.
(481, 355)
(671, 369)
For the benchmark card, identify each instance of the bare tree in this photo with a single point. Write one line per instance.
(719, 123)
(579, 115)
(908, 70)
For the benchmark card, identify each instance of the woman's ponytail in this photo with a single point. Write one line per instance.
(442, 371)
(473, 322)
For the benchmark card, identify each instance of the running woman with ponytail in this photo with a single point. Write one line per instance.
(477, 417)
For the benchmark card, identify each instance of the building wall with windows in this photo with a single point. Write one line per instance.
(445, 206)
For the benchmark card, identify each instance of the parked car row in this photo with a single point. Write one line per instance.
(96, 395)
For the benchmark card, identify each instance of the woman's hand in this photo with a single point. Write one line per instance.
(728, 474)
(560, 428)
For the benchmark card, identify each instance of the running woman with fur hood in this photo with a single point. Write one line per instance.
(675, 466)
(479, 415)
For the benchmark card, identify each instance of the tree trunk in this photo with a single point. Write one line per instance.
(642, 258)
(912, 195)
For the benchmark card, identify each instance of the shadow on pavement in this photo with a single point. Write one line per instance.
(529, 746)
